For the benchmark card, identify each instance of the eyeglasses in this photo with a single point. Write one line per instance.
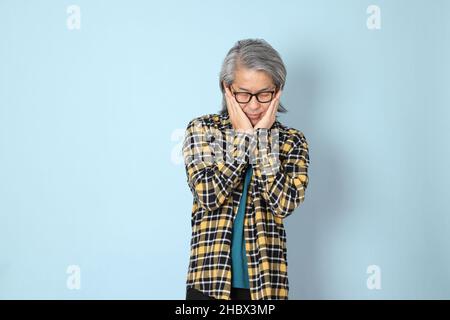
(245, 97)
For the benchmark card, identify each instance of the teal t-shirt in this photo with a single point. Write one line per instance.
(239, 267)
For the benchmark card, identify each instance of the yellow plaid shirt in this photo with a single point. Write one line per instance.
(217, 186)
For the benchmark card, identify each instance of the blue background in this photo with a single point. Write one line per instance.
(92, 121)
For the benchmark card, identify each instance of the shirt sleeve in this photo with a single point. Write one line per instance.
(283, 188)
(210, 177)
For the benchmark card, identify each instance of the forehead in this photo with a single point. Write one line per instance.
(252, 80)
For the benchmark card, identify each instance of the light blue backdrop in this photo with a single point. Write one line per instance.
(91, 124)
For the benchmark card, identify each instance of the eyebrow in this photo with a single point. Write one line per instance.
(264, 89)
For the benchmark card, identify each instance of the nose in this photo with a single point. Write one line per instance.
(253, 104)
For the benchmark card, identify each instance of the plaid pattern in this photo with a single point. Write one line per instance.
(217, 186)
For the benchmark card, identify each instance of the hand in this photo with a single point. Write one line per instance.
(269, 117)
(238, 118)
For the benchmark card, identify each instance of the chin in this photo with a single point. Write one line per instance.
(254, 120)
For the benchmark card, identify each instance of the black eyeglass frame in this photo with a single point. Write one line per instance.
(233, 92)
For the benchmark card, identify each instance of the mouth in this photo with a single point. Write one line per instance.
(253, 116)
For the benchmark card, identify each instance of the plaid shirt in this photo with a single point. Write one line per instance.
(217, 186)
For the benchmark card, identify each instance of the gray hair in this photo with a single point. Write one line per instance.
(255, 54)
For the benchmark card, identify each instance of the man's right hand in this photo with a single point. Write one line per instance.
(238, 118)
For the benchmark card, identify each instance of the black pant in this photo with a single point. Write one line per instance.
(236, 294)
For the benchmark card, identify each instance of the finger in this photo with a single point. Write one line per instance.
(270, 109)
(277, 102)
(233, 101)
(227, 91)
(231, 107)
(241, 112)
(278, 95)
(275, 107)
(230, 99)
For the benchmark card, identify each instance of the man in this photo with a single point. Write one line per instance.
(247, 172)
